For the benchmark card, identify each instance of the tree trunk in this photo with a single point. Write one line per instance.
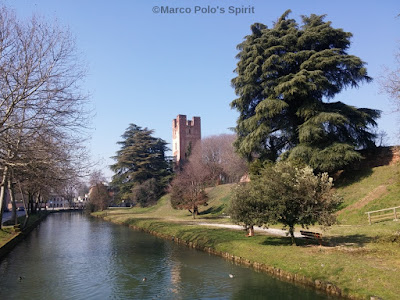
(194, 213)
(32, 203)
(3, 193)
(291, 232)
(250, 231)
(26, 221)
(37, 203)
(25, 205)
(12, 199)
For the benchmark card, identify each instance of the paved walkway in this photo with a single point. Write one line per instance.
(272, 231)
(7, 215)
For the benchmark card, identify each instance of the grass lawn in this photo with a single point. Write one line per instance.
(358, 262)
(362, 260)
(8, 232)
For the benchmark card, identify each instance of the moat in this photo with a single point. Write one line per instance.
(72, 256)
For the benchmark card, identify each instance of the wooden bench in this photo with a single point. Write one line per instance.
(312, 235)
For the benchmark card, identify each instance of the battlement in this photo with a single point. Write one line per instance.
(185, 133)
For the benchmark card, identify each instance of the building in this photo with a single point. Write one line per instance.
(185, 134)
(57, 202)
(80, 202)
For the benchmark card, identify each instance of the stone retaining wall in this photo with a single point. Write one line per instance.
(6, 248)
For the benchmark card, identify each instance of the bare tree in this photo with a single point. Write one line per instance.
(188, 188)
(40, 72)
(96, 176)
(40, 98)
(42, 168)
(390, 82)
(218, 155)
(99, 195)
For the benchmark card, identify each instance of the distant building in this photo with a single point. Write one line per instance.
(81, 201)
(7, 205)
(185, 134)
(57, 202)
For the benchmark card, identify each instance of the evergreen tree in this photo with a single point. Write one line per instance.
(141, 157)
(286, 76)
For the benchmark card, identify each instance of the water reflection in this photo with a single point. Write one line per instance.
(71, 256)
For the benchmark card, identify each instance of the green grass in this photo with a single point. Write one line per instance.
(215, 211)
(6, 234)
(354, 187)
(368, 267)
(363, 260)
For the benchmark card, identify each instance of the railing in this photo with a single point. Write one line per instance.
(381, 215)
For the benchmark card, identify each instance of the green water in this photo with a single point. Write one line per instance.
(72, 256)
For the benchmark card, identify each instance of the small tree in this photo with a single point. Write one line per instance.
(187, 189)
(288, 195)
(246, 207)
(99, 197)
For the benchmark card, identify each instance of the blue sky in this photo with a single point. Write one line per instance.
(146, 68)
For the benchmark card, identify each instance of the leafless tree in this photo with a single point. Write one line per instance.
(41, 169)
(99, 195)
(218, 155)
(188, 188)
(40, 72)
(390, 82)
(96, 176)
(41, 103)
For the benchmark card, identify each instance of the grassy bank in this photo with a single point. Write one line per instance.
(363, 267)
(8, 233)
(368, 190)
(362, 260)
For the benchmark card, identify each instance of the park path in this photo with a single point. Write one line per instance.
(376, 193)
(272, 231)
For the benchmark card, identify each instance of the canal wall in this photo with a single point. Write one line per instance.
(297, 279)
(6, 248)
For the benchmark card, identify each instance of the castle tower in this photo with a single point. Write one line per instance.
(184, 135)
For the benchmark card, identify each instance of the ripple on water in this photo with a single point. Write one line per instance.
(73, 257)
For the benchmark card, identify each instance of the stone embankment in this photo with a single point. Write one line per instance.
(6, 248)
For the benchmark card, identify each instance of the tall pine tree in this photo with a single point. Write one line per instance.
(286, 76)
(141, 158)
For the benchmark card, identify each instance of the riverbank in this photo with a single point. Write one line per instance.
(10, 236)
(353, 262)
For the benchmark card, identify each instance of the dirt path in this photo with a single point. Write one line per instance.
(272, 231)
(371, 196)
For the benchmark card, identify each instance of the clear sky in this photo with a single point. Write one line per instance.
(146, 67)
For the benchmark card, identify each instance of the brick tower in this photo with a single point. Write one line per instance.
(184, 135)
